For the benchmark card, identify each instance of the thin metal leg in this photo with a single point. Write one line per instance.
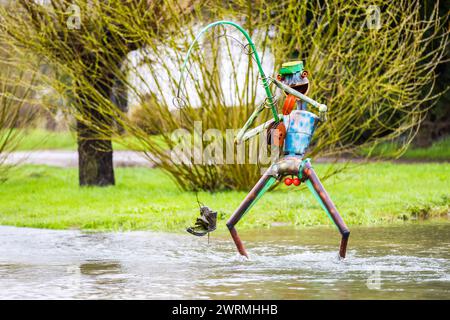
(316, 187)
(264, 183)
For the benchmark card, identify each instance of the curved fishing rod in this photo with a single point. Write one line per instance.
(270, 99)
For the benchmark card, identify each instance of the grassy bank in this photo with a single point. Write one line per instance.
(47, 197)
(39, 139)
(438, 151)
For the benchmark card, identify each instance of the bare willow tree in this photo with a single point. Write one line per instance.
(86, 43)
(15, 90)
(369, 61)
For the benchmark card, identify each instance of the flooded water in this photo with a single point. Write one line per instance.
(411, 261)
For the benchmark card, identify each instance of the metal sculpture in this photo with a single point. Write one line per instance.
(291, 131)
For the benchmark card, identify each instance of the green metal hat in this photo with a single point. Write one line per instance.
(291, 67)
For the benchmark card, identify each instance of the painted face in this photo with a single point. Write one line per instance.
(297, 81)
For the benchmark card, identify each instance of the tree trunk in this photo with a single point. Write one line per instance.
(95, 153)
(95, 158)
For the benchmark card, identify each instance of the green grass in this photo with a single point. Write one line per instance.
(438, 151)
(39, 139)
(48, 197)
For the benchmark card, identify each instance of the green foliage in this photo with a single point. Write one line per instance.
(378, 193)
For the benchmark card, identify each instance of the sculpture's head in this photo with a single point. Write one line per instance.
(294, 75)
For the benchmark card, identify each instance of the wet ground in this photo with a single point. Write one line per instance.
(411, 261)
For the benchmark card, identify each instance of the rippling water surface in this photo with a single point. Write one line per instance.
(411, 261)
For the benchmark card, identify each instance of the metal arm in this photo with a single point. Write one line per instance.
(257, 130)
(249, 122)
(282, 86)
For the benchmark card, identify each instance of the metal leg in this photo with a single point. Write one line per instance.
(264, 183)
(316, 187)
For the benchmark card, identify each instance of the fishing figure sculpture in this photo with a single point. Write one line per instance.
(290, 131)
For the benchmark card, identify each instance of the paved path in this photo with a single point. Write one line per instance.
(123, 158)
(66, 158)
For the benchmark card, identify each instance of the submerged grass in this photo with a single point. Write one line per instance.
(48, 197)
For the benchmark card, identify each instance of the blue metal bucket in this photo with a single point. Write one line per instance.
(300, 128)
